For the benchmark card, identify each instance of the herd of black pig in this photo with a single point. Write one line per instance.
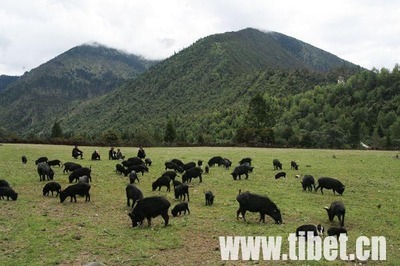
(151, 207)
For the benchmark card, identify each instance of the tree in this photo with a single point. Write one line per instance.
(266, 135)
(110, 137)
(380, 131)
(287, 133)
(245, 135)
(257, 112)
(56, 131)
(334, 137)
(200, 138)
(355, 133)
(170, 132)
(306, 139)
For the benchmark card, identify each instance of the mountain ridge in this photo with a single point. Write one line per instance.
(218, 73)
(215, 73)
(49, 90)
(6, 81)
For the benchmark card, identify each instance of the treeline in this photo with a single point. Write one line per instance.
(364, 108)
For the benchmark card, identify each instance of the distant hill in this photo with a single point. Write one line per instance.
(6, 81)
(40, 97)
(209, 83)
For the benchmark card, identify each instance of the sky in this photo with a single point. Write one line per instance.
(364, 32)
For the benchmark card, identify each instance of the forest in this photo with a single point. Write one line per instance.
(246, 88)
(364, 107)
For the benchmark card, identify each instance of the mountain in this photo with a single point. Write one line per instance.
(40, 97)
(208, 84)
(6, 81)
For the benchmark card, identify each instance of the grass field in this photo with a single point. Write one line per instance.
(39, 230)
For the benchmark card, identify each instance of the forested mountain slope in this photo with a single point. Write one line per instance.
(41, 96)
(211, 81)
(6, 81)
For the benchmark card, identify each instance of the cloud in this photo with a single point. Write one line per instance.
(33, 32)
(167, 42)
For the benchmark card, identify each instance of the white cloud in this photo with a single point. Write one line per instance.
(33, 32)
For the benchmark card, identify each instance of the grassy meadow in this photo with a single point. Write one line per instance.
(39, 230)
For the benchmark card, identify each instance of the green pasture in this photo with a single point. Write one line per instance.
(39, 230)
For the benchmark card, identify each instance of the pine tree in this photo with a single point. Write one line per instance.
(262, 112)
(170, 132)
(257, 112)
(56, 131)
